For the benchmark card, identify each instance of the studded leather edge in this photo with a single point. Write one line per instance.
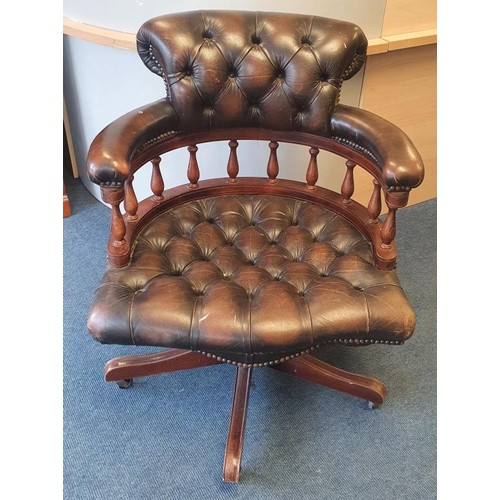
(357, 147)
(350, 342)
(156, 140)
(109, 184)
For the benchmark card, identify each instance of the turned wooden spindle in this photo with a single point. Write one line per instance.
(347, 188)
(232, 164)
(375, 203)
(130, 204)
(312, 169)
(114, 196)
(117, 227)
(157, 184)
(388, 229)
(272, 164)
(193, 171)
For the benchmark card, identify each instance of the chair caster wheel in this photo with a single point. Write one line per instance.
(125, 383)
(372, 405)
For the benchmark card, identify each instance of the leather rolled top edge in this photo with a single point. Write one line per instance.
(383, 143)
(109, 156)
(389, 147)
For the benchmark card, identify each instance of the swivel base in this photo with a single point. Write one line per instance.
(122, 370)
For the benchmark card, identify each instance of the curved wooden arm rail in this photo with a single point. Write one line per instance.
(382, 237)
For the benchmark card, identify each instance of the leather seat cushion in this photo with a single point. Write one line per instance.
(252, 280)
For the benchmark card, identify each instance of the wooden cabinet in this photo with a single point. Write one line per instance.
(69, 162)
(400, 85)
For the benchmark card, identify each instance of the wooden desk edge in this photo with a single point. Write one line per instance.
(124, 40)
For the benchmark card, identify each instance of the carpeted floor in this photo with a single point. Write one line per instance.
(164, 437)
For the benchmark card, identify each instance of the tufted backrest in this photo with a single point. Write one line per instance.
(225, 69)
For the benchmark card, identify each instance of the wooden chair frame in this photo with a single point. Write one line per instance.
(125, 227)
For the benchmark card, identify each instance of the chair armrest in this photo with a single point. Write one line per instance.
(400, 163)
(110, 154)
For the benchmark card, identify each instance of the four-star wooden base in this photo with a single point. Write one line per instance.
(124, 369)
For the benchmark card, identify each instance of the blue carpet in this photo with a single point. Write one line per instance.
(164, 437)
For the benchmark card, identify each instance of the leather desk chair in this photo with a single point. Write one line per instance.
(255, 272)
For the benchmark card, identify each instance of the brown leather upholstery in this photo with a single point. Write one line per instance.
(224, 69)
(273, 71)
(251, 271)
(390, 149)
(250, 279)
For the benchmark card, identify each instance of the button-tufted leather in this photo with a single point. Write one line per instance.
(224, 69)
(250, 279)
(251, 271)
(278, 72)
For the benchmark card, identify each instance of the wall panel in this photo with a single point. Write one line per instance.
(401, 87)
(403, 16)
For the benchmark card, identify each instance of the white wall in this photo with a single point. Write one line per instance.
(102, 83)
(128, 15)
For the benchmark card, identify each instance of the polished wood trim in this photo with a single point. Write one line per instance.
(157, 182)
(384, 256)
(130, 202)
(314, 370)
(143, 365)
(234, 445)
(409, 40)
(171, 142)
(101, 36)
(117, 243)
(259, 134)
(377, 46)
(399, 41)
(124, 40)
(66, 205)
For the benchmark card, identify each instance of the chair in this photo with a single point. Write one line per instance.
(254, 272)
